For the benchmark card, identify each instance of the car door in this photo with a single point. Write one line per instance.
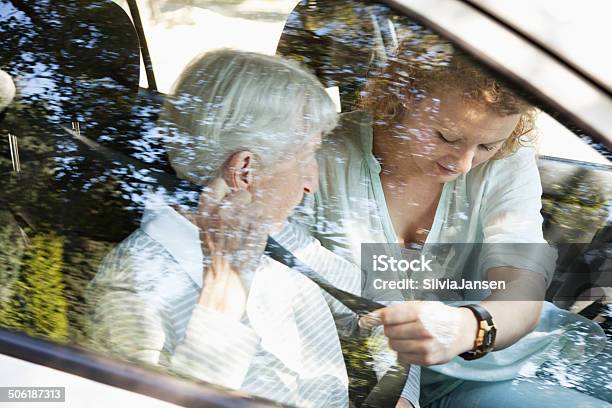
(80, 151)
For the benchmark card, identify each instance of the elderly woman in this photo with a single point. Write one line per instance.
(439, 154)
(191, 290)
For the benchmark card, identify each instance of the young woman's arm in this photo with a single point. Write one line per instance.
(514, 251)
(409, 331)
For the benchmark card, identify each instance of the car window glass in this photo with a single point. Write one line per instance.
(102, 179)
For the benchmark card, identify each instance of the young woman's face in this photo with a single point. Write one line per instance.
(445, 137)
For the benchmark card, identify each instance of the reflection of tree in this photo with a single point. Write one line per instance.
(334, 39)
(72, 60)
(577, 205)
(341, 40)
(68, 58)
(11, 250)
(359, 365)
(38, 306)
(82, 260)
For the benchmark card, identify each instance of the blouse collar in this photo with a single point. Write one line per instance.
(361, 123)
(175, 233)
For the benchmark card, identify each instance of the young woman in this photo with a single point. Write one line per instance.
(439, 153)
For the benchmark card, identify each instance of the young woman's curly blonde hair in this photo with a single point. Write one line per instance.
(425, 63)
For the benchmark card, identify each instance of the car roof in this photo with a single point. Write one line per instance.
(559, 87)
(578, 32)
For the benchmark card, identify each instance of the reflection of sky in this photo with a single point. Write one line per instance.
(148, 148)
(38, 82)
(7, 10)
(137, 184)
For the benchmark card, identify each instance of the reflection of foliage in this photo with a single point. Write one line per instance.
(335, 39)
(572, 215)
(357, 353)
(26, 273)
(67, 59)
(576, 206)
(82, 259)
(341, 41)
(38, 306)
(72, 60)
(11, 251)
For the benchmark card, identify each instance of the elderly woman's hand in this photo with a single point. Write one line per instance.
(232, 238)
(425, 333)
(231, 225)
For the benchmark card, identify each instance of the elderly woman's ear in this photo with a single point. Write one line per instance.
(238, 170)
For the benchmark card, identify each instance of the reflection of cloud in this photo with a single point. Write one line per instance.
(179, 30)
(557, 141)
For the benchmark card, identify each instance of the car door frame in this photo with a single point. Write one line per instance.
(192, 393)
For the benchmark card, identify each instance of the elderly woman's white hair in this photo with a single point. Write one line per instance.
(226, 101)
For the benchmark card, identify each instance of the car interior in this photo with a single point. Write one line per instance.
(89, 147)
(575, 200)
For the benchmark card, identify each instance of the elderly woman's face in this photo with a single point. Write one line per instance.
(445, 137)
(281, 186)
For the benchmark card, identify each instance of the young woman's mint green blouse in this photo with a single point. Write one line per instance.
(497, 202)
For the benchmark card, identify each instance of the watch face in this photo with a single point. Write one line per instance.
(489, 337)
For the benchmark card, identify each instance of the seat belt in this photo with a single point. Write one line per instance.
(388, 390)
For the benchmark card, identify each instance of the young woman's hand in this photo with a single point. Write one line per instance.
(232, 238)
(425, 333)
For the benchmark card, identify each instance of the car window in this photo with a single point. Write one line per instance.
(133, 222)
(557, 141)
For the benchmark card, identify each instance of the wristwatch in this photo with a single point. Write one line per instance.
(485, 335)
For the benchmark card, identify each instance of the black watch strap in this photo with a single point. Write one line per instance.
(485, 334)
